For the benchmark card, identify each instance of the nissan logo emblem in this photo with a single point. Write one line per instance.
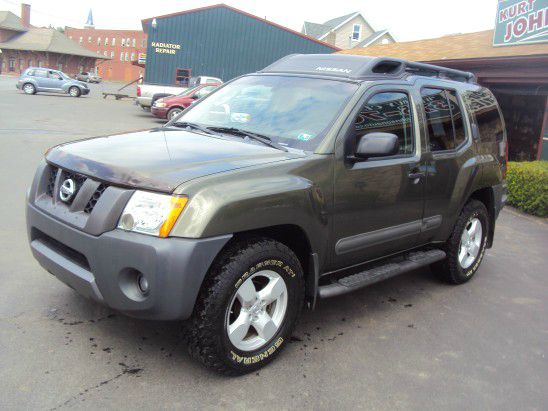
(67, 190)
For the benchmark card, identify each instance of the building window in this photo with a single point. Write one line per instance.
(132, 56)
(39, 63)
(114, 41)
(81, 39)
(128, 43)
(21, 64)
(356, 31)
(106, 41)
(385, 41)
(122, 56)
(98, 41)
(30, 63)
(112, 54)
(89, 39)
(105, 53)
(11, 65)
(133, 43)
(123, 42)
(127, 56)
(60, 66)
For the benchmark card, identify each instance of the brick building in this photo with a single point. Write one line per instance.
(23, 45)
(122, 47)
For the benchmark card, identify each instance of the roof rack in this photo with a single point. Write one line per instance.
(362, 67)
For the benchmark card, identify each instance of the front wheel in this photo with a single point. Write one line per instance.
(248, 307)
(174, 112)
(466, 246)
(29, 88)
(74, 91)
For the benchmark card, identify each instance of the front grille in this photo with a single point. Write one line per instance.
(51, 180)
(95, 197)
(79, 181)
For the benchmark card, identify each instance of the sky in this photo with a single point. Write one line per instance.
(407, 20)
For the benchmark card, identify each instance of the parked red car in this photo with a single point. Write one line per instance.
(169, 107)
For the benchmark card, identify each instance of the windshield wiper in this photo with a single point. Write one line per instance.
(186, 124)
(254, 136)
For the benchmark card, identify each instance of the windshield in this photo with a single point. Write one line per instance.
(291, 111)
(188, 91)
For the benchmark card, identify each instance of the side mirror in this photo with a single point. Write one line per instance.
(377, 145)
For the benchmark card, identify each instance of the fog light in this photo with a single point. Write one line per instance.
(143, 283)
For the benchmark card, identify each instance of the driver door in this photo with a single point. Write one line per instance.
(378, 202)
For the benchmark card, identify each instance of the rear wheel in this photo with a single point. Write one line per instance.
(174, 112)
(465, 247)
(248, 307)
(29, 88)
(74, 91)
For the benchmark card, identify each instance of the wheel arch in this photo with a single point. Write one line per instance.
(486, 195)
(296, 239)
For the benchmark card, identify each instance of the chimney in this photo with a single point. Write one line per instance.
(25, 14)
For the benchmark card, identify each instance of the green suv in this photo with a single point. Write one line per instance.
(317, 176)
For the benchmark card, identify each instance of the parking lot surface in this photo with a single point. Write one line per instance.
(411, 342)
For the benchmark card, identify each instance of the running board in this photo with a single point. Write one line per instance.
(411, 261)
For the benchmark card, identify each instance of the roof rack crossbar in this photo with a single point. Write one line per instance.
(438, 71)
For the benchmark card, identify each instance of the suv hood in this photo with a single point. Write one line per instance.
(160, 160)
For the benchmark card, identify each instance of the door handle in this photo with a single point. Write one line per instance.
(416, 174)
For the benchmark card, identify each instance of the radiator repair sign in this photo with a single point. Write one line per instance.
(521, 22)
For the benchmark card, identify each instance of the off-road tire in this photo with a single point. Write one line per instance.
(29, 88)
(206, 332)
(74, 91)
(449, 269)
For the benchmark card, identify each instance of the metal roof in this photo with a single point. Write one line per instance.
(50, 40)
(477, 45)
(10, 21)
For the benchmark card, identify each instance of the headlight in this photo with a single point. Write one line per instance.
(159, 104)
(150, 213)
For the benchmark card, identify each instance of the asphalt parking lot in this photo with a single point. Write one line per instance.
(408, 343)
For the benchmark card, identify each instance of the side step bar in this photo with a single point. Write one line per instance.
(411, 261)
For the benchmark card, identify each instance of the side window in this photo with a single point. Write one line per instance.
(483, 106)
(40, 73)
(438, 119)
(388, 112)
(30, 72)
(456, 114)
(204, 91)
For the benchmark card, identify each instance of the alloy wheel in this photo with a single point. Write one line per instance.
(257, 310)
(470, 242)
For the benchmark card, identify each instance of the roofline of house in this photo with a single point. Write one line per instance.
(340, 25)
(95, 29)
(145, 21)
(381, 33)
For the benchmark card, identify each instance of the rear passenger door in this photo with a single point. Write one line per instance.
(451, 165)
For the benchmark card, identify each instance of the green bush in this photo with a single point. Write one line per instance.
(528, 187)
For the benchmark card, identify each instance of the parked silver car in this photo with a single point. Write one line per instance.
(88, 77)
(37, 79)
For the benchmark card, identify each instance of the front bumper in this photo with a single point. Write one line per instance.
(85, 91)
(160, 112)
(105, 268)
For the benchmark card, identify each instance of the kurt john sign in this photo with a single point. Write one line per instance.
(521, 22)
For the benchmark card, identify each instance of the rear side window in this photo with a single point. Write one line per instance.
(40, 73)
(484, 108)
(388, 113)
(444, 119)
